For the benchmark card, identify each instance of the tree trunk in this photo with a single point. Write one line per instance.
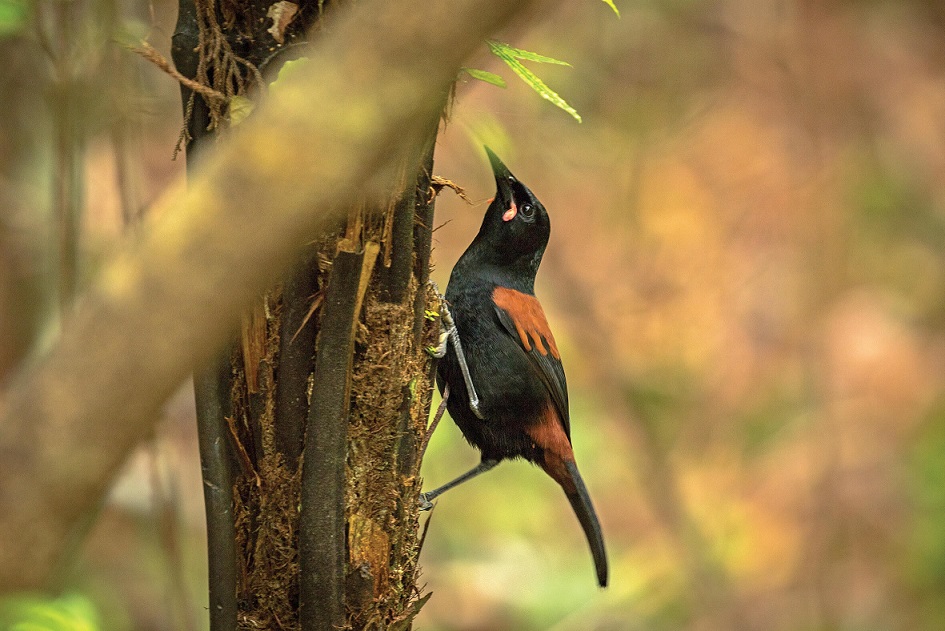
(310, 425)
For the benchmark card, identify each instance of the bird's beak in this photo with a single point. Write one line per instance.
(503, 185)
(501, 172)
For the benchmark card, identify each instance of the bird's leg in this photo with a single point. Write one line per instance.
(436, 421)
(461, 358)
(451, 334)
(482, 467)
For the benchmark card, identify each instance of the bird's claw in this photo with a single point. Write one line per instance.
(439, 351)
(425, 504)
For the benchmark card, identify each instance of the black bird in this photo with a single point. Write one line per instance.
(513, 362)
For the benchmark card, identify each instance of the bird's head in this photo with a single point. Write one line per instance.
(516, 226)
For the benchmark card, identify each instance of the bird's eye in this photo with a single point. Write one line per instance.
(527, 211)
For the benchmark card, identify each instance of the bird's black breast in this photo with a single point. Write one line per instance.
(512, 395)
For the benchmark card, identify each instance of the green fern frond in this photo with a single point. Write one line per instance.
(484, 75)
(527, 55)
(511, 57)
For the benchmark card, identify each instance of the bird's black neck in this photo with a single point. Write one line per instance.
(518, 274)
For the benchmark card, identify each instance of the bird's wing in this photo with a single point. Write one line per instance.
(523, 318)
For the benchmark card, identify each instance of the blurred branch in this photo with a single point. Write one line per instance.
(21, 288)
(166, 505)
(171, 298)
(68, 175)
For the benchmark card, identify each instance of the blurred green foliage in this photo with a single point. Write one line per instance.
(70, 612)
(925, 559)
(13, 16)
(613, 6)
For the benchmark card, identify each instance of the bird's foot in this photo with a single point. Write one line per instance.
(425, 504)
(439, 351)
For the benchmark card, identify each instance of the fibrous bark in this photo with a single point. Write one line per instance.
(325, 537)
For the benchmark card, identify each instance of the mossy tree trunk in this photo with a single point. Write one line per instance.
(309, 425)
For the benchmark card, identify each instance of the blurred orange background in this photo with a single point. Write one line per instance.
(744, 276)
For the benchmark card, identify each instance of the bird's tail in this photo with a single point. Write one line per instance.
(584, 509)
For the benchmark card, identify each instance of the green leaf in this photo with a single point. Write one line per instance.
(239, 109)
(518, 53)
(511, 58)
(610, 3)
(486, 76)
(288, 69)
(13, 15)
(539, 86)
(130, 33)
